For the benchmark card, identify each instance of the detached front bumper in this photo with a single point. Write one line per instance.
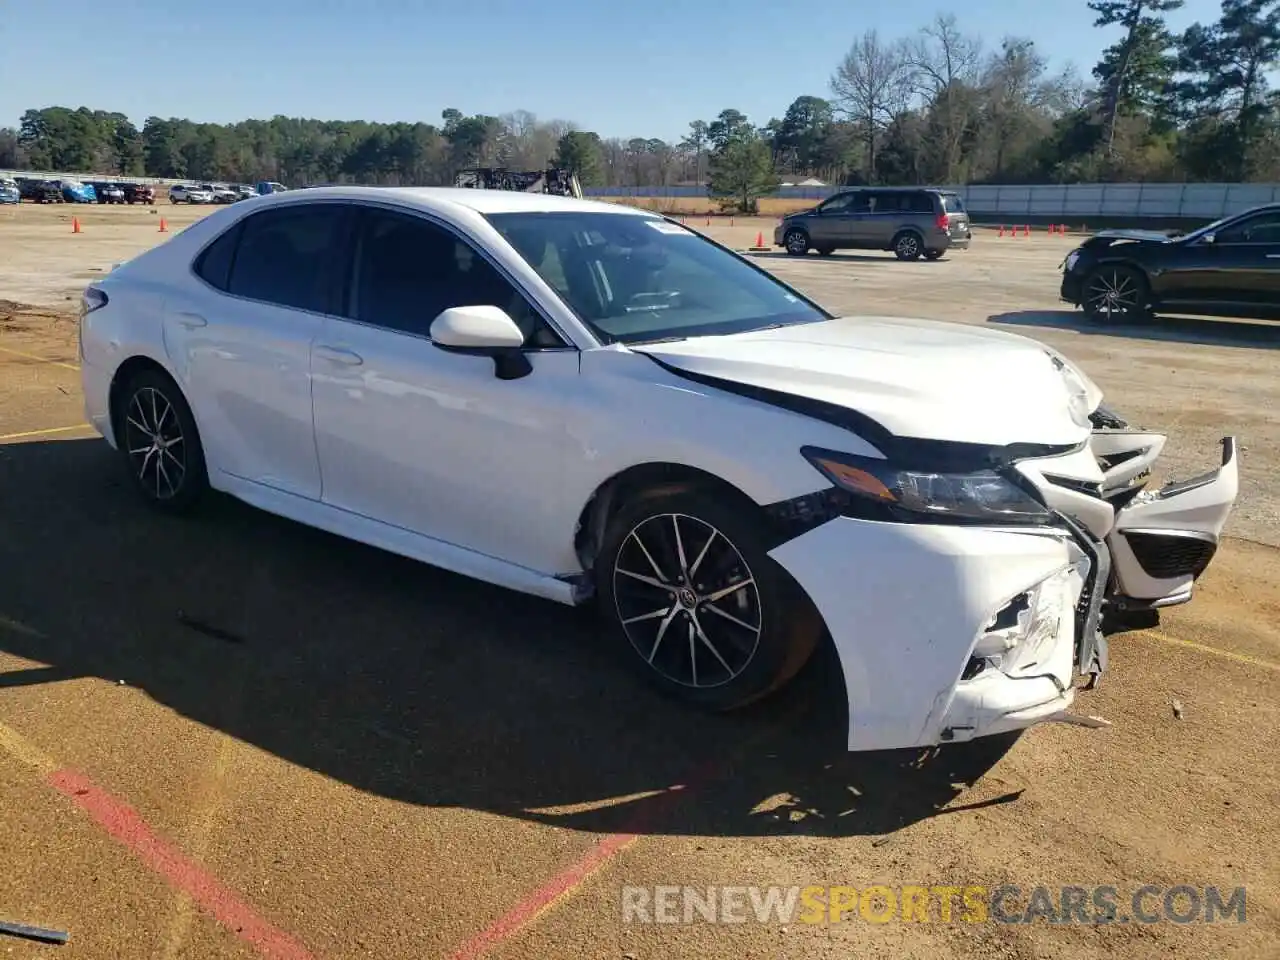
(946, 633)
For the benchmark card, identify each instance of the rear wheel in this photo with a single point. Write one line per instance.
(700, 608)
(157, 437)
(1115, 293)
(908, 245)
(796, 242)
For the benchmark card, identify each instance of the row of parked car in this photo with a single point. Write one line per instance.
(38, 190)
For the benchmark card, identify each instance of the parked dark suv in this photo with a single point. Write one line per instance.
(138, 193)
(913, 222)
(39, 191)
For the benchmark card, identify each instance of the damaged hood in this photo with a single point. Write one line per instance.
(917, 378)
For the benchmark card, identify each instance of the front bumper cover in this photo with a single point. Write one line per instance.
(905, 605)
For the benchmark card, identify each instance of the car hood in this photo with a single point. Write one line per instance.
(917, 378)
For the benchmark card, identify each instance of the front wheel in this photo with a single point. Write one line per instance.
(796, 242)
(157, 436)
(1115, 293)
(698, 605)
(908, 246)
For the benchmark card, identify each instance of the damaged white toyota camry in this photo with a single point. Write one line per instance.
(592, 403)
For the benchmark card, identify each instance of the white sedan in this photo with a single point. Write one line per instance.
(592, 403)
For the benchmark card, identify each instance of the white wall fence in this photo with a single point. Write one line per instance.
(1073, 202)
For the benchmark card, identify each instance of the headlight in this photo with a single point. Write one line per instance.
(1072, 258)
(885, 491)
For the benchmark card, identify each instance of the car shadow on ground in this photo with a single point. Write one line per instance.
(412, 683)
(840, 256)
(1202, 330)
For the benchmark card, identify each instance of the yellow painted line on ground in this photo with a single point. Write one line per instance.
(1214, 651)
(32, 356)
(45, 432)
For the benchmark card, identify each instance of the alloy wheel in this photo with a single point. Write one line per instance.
(797, 242)
(155, 444)
(908, 247)
(1113, 292)
(687, 600)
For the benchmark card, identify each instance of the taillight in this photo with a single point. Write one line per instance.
(944, 221)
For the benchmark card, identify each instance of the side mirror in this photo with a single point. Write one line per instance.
(483, 331)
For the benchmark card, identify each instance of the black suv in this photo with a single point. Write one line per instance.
(913, 222)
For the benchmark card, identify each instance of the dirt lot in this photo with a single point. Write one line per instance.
(233, 736)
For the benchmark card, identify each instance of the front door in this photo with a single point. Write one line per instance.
(832, 224)
(428, 440)
(241, 346)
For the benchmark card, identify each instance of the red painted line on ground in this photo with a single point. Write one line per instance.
(536, 902)
(124, 824)
(527, 909)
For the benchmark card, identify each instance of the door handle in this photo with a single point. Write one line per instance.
(192, 321)
(1273, 256)
(340, 355)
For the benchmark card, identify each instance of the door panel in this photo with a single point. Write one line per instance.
(246, 373)
(834, 223)
(241, 343)
(1241, 267)
(433, 442)
(430, 440)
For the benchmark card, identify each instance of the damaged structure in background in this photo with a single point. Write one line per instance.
(553, 180)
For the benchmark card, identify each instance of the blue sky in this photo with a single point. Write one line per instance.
(634, 69)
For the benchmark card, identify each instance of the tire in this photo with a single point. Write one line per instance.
(932, 254)
(1115, 293)
(797, 242)
(173, 477)
(908, 245)
(746, 643)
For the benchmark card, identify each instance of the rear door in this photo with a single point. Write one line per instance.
(240, 341)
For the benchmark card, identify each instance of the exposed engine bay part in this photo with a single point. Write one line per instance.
(553, 180)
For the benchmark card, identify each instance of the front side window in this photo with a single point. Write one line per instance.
(1264, 228)
(408, 270)
(634, 278)
(284, 256)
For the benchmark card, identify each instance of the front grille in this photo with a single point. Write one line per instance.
(1165, 556)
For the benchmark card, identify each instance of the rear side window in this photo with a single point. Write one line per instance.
(213, 266)
(284, 255)
(952, 203)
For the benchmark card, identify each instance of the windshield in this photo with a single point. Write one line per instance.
(641, 278)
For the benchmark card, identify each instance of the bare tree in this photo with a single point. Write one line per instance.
(872, 86)
(945, 64)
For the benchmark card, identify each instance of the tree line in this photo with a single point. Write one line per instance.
(937, 106)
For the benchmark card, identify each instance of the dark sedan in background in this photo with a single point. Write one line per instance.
(1230, 268)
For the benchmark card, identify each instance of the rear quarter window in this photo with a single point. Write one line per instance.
(213, 265)
(952, 203)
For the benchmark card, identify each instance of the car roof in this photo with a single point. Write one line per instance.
(442, 199)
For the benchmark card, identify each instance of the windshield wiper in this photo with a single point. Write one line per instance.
(658, 340)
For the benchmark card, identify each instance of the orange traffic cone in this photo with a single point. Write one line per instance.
(164, 227)
(760, 243)
(75, 225)
(1026, 230)
(1002, 229)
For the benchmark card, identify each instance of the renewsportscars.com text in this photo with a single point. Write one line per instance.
(962, 903)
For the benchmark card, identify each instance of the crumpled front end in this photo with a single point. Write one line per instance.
(946, 633)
